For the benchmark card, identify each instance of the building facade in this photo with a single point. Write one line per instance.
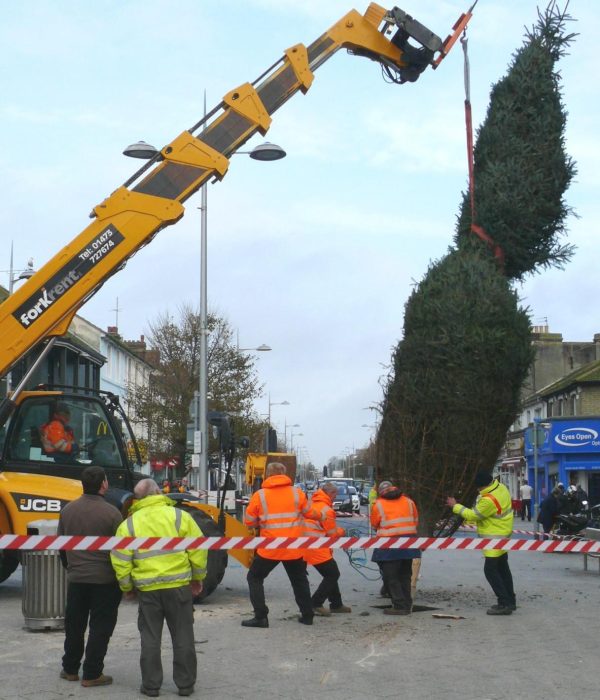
(568, 452)
(562, 393)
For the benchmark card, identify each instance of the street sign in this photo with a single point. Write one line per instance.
(197, 441)
(195, 461)
(536, 439)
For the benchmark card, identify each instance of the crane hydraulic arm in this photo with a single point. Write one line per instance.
(153, 197)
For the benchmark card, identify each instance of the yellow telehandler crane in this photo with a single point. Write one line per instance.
(35, 481)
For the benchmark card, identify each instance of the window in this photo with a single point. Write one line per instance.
(573, 405)
(70, 432)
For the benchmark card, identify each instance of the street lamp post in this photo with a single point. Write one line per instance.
(262, 152)
(301, 460)
(292, 439)
(272, 403)
(14, 276)
(537, 436)
(349, 454)
(285, 429)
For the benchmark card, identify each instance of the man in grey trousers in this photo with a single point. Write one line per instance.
(165, 582)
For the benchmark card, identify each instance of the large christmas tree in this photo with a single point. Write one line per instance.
(454, 386)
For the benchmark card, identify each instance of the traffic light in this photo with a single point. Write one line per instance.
(221, 421)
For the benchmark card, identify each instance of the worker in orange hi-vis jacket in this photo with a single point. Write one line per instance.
(322, 558)
(57, 435)
(278, 509)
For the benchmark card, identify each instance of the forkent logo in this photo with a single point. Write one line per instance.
(48, 297)
(33, 308)
(27, 503)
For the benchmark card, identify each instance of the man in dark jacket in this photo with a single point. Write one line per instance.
(92, 589)
(549, 509)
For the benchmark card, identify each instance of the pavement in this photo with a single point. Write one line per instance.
(547, 649)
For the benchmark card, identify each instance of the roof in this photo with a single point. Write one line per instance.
(588, 374)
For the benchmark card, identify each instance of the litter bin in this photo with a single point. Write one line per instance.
(44, 583)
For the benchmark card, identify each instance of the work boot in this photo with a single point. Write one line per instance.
(322, 612)
(150, 692)
(256, 622)
(383, 592)
(93, 682)
(69, 676)
(499, 610)
(396, 611)
(341, 609)
(305, 620)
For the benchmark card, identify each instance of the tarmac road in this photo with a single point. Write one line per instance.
(547, 649)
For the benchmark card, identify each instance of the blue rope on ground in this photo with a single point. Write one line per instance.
(359, 558)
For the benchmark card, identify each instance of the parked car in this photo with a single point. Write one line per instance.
(355, 499)
(343, 500)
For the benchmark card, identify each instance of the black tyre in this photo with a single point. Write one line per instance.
(217, 558)
(8, 564)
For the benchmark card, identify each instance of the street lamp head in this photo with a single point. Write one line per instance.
(260, 348)
(141, 150)
(267, 151)
(28, 272)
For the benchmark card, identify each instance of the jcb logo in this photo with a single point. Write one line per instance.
(39, 505)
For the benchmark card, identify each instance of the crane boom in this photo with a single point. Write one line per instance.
(153, 197)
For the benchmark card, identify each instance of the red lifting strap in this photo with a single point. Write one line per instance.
(475, 228)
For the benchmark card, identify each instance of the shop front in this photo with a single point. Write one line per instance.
(568, 452)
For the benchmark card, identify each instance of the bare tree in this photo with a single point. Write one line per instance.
(233, 383)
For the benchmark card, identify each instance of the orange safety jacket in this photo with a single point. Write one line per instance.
(325, 527)
(279, 509)
(395, 518)
(57, 437)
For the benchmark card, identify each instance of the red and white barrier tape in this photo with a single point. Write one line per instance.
(79, 542)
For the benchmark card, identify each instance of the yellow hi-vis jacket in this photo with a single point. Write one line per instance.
(492, 513)
(150, 570)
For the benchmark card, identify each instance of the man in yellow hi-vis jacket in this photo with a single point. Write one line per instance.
(493, 516)
(165, 582)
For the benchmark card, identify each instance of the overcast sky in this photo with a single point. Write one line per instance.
(316, 254)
